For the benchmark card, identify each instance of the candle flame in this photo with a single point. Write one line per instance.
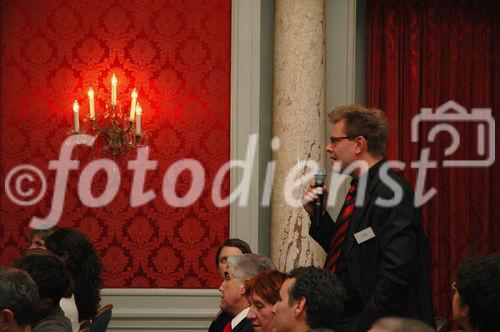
(138, 109)
(91, 93)
(114, 80)
(75, 106)
(134, 94)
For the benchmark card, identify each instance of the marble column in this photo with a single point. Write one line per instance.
(299, 122)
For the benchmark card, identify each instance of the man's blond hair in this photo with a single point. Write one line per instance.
(371, 123)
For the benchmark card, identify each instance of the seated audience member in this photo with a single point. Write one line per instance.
(262, 292)
(38, 236)
(230, 247)
(18, 300)
(476, 302)
(84, 266)
(67, 303)
(311, 298)
(233, 300)
(53, 280)
(37, 242)
(398, 324)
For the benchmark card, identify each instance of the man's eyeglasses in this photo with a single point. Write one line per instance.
(335, 140)
(454, 287)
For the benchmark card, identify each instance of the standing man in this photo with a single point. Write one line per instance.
(379, 251)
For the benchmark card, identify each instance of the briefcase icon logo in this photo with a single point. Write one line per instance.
(444, 117)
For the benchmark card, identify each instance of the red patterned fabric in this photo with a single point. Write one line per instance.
(423, 54)
(176, 53)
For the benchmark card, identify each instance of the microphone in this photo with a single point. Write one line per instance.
(319, 182)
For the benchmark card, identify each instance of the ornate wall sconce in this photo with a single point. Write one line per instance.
(118, 129)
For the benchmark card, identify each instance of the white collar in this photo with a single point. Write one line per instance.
(239, 317)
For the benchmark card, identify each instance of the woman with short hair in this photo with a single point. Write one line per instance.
(263, 291)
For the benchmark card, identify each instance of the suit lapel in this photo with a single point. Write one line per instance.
(241, 325)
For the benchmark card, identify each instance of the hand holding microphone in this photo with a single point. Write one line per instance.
(313, 200)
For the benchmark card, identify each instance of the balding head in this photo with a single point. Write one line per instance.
(397, 324)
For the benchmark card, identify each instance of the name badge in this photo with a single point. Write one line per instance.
(364, 235)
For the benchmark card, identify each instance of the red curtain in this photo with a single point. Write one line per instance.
(421, 54)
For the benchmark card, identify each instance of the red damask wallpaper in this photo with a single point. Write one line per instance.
(176, 53)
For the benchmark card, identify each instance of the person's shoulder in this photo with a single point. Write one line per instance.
(386, 181)
(54, 323)
(220, 321)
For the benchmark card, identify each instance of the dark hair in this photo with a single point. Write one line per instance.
(371, 123)
(323, 293)
(267, 285)
(237, 243)
(45, 252)
(18, 293)
(478, 284)
(84, 266)
(49, 273)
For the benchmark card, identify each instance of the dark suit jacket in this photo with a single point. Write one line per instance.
(390, 272)
(223, 318)
(53, 321)
(220, 322)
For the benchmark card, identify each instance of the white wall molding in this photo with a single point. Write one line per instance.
(345, 66)
(251, 102)
(245, 76)
(345, 52)
(146, 309)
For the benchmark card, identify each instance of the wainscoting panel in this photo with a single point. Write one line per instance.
(161, 309)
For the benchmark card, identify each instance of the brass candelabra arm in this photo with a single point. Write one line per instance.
(118, 130)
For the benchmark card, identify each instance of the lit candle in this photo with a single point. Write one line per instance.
(133, 105)
(75, 117)
(91, 104)
(138, 113)
(114, 81)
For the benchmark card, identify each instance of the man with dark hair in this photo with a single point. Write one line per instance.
(53, 280)
(476, 301)
(234, 300)
(398, 324)
(18, 300)
(311, 298)
(377, 246)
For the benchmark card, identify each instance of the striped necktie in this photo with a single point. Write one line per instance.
(339, 237)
